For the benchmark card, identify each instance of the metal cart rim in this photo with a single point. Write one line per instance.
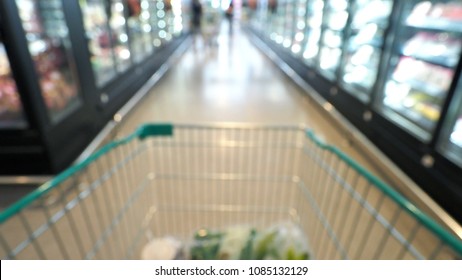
(167, 129)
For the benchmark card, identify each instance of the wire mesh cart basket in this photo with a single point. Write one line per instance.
(174, 179)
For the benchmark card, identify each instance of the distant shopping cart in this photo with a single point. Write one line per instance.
(211, 24)
(170, 180)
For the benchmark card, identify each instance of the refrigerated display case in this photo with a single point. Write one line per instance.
(314, 18)
(169, 19)
(51, 96)
(11, 111)
(177, 14)
(421, 69)
(297, 35)
(139, 29)
(332, 36)
(96, 24)
(364, 45)
(65, 69)
(288, 26)
(279, 17)
(389, 67)
(119, 37)
(49, 45)
(161, 24)
(105, 28)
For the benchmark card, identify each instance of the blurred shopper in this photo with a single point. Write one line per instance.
(229, 14)
(196, 16)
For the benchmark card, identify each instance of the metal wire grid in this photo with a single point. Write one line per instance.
(214, 177)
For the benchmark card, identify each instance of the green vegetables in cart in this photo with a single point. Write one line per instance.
(280, 242)
(264, 246)
(236, 243)
(247, 251)
(206, 245)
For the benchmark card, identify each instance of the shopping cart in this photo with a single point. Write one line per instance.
(210, 25)
(166, 180)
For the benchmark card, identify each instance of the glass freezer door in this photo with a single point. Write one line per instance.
(364, 46)
(97, 32)
(11, 112)
(161, 28)
(119, 35)
(332, 38)
(427, 49)
(50, 47)
(451, 140)
(314, 17)
(105, 28)
(288, 24)
(140, 29)
(299, 26)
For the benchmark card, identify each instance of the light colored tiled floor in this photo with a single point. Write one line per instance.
(229, 82)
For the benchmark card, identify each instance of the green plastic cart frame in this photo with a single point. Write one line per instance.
(170, 180)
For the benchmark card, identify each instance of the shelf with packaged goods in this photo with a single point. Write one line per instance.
(436, 60)
(11, 111)
(357, 89)
(416, 118)
(376, 43)
(335, 7)
(436, 25)
(423, 87)
(428, 78)
(440, 48)
(379, 23)
(359, 77)
(49, 45)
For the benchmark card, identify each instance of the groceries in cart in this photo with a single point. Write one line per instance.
(284, 241)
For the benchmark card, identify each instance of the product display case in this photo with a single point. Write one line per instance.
(177, 17)
(313, 31)
(11, 111)
(49, 45)
(128, 39)
(289, 24)
(66, 67)
(169, 19)
(51, 100)
(421, 69)
(363, 46)
(98, 35)
(299, 25)
(335, 17)
(119, 39)
(139, 29)
(162, 28)
(391, 69)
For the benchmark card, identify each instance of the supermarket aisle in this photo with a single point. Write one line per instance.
(230, 82)
(235, 82)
